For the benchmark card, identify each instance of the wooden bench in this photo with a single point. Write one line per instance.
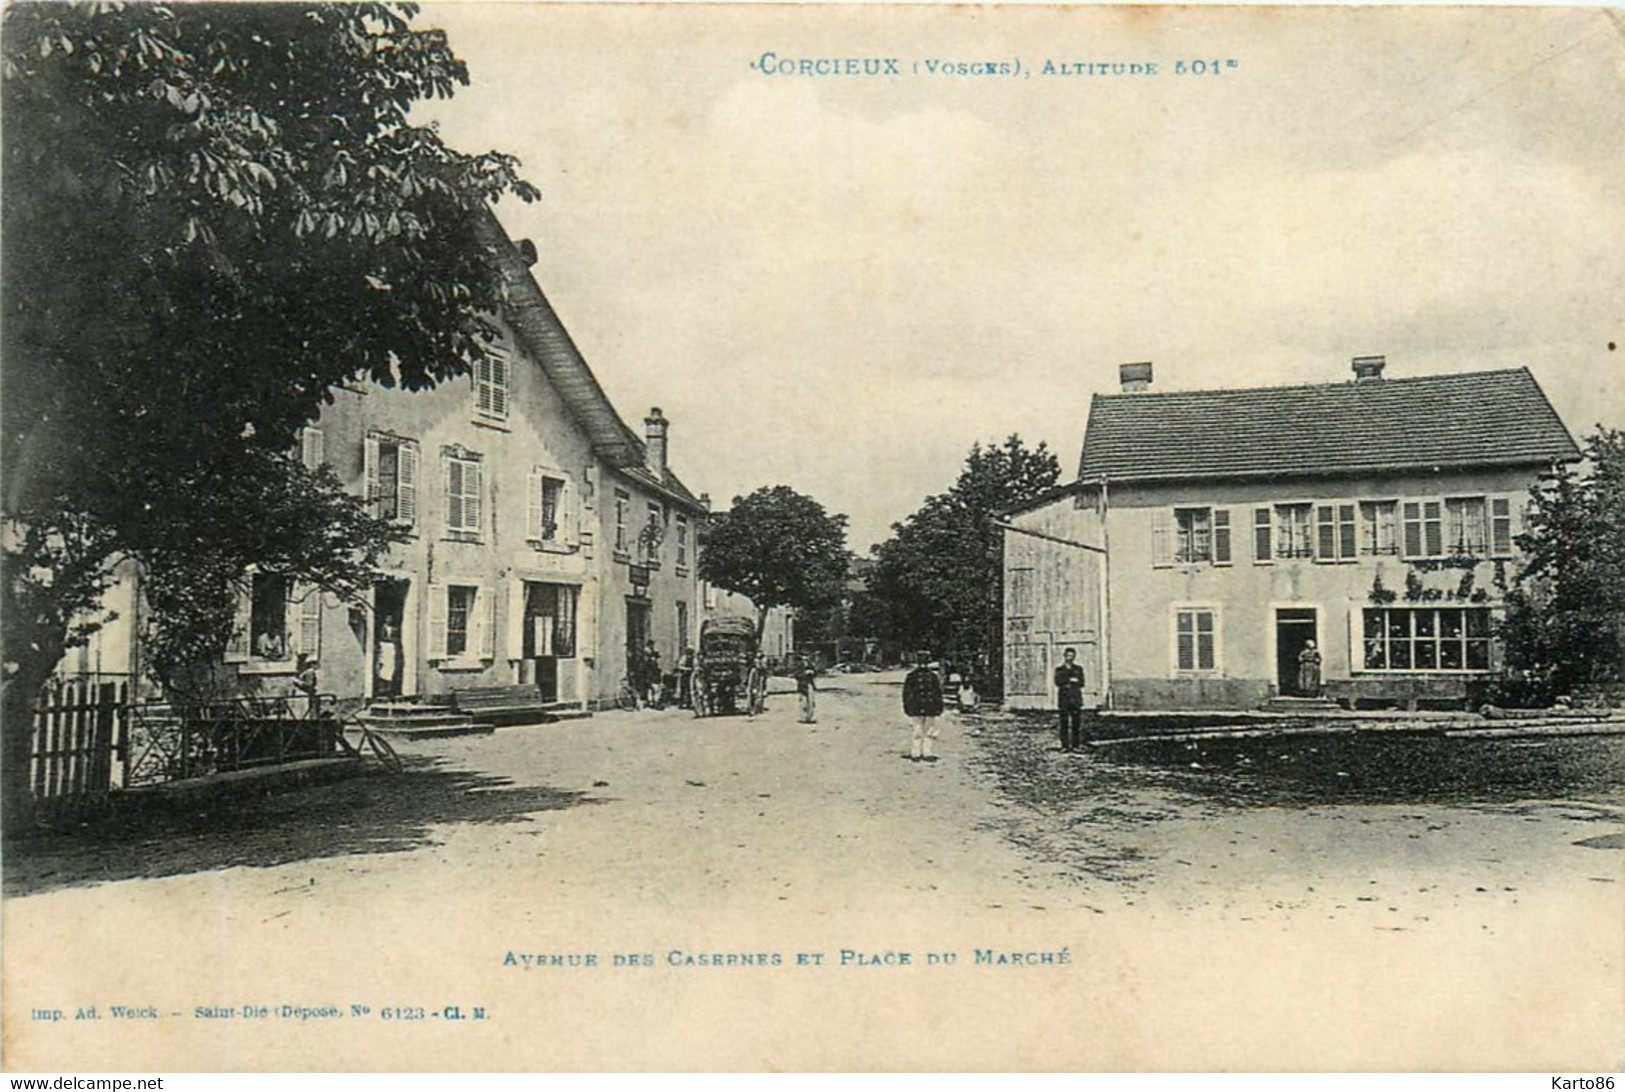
(502, 704)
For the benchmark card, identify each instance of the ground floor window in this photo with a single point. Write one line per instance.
(1195, 639)
(460, 622)
(1427, 639)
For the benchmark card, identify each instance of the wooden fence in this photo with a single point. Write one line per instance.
(80, 739)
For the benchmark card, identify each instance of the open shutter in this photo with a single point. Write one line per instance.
(437, 622)
(311, 450)
(406, 483)
(1221, 536)
(1162, 538)
(516, 619)
(1500, 526)
(306, 633)
(533, 508)
(369, 472)
(485, 619)
(569, 514)
(237, 646)
(291, 618)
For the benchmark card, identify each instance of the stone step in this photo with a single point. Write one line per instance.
(421, 722)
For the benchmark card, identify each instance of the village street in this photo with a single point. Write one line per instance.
(1182, 905)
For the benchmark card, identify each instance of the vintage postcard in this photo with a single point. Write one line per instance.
(1181, 376)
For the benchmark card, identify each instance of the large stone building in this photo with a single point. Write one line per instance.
(1210, 536)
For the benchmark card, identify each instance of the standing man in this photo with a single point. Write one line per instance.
(922, 703)
(651, 675)
(1069, 691)
(807, 688)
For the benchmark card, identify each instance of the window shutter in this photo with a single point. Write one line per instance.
(237, 647)
(406, 478)
(369, 472)
(482, 385)
(1162, 554)
(499, 385)
(454, 494)
(533, 508)
(1325, 533)
(1346, 532)
(437, 621)
(308, 632)
(569, 515)
(473, 495)
(516, 619)
(485, 617)
(311, 451)
(1432, 528)
(1221, 536)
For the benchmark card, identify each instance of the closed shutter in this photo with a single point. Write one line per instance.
(369, 472)
(1162, 536)
(1221, 536)
(1345, 532)
(485, 621)
(473, 495)
(406, 483)
(437, 622)
(1413, 528)
(454, 494)
(242, 619)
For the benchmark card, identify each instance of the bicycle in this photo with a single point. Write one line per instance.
(356, 739)
(627, 697)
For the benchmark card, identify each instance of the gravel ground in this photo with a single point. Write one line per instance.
(1363, 902)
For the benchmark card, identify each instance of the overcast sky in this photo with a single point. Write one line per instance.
(841, 283)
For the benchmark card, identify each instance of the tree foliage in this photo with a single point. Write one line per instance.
(778, 547)
(940, 577)
(213, 215)
(1565, 622)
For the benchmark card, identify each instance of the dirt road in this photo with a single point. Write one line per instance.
(1211, 909)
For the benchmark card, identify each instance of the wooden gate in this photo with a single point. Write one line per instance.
(80, 729)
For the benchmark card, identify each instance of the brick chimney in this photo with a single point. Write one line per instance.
(1136, 378)
(654, 434)
(1368, 369)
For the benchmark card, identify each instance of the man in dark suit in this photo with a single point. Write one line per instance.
(1069, 694)
(922, 703)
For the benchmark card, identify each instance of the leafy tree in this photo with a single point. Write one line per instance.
(941, 574)
(213, 214)
(1565, 622)
(778, 547)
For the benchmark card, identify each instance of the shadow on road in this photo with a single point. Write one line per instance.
(378, 813)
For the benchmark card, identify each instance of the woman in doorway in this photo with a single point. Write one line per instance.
(1309, 671)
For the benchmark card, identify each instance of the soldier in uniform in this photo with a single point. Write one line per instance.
(922, 703)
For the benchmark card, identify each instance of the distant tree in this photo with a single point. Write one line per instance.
(1565, 620)
(941, 575)
(778, 547)
(212, 215)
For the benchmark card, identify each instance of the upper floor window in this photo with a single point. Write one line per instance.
(1379, 527)
(1424, 528)
(1335, 531)
(1293, 534)
(491, 376)
(1467, 530)
(623, 502)
(464, 485)
(653, 533)
(1191, 536)
(391, 471)
(682, 542)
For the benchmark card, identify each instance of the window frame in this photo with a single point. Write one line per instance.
(1434, 641)
(491, 379)
(1196, 611)
(463, 528)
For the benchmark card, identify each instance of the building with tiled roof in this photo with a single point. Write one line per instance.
(1295, 544)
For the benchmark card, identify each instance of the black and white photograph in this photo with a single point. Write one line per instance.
(582, 537)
